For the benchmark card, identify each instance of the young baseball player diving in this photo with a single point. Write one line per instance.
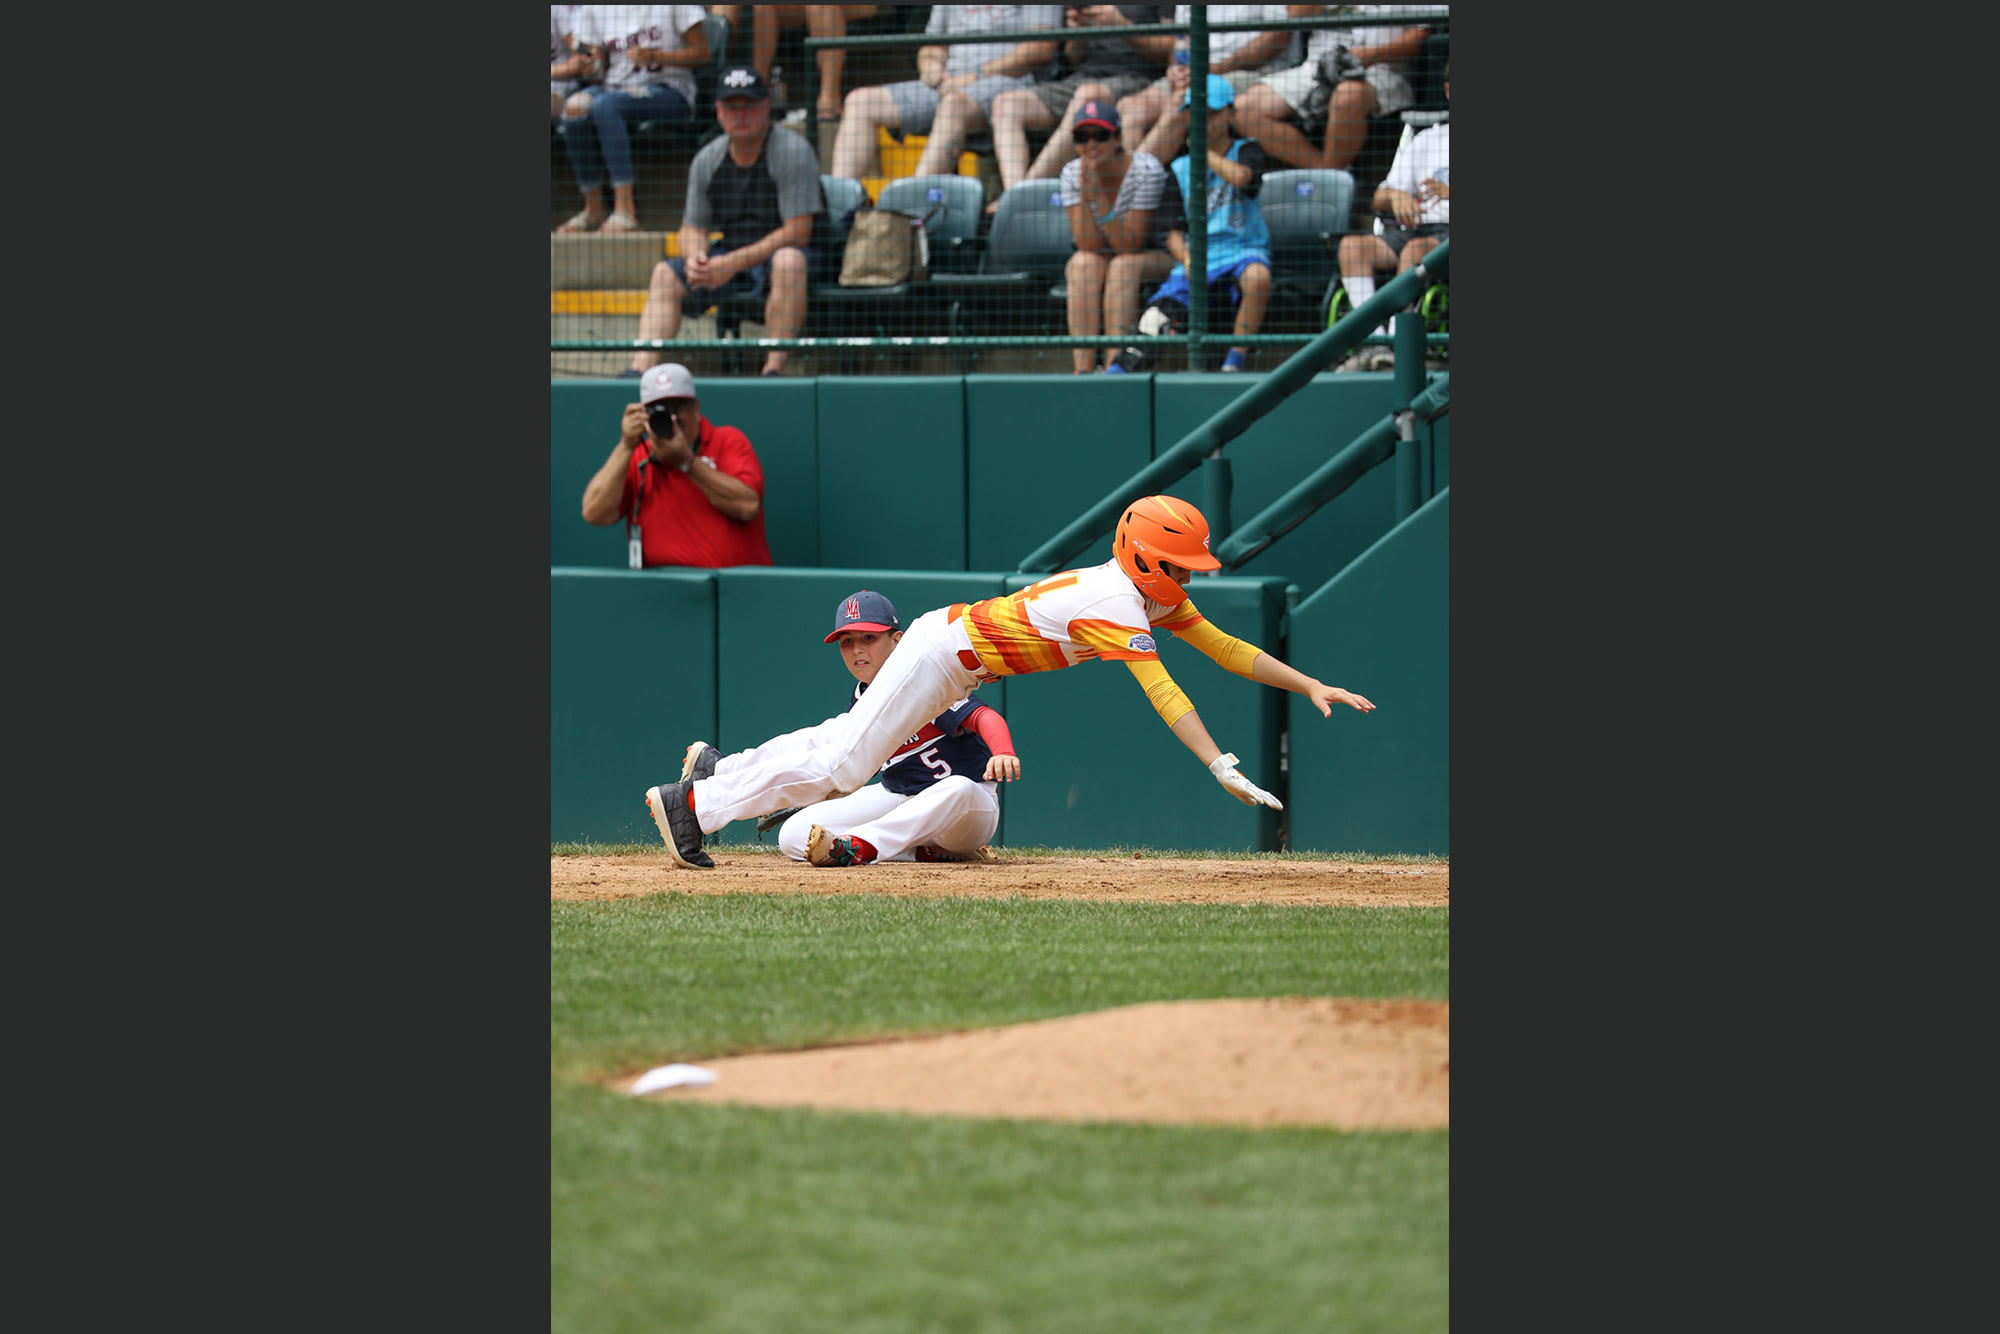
(937, 800)
(1103, 611)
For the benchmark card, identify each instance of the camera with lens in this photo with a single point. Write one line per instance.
(660, 417)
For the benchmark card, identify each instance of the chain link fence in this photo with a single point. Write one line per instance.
(1022, 268)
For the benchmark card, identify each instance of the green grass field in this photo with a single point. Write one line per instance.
(700, 1216)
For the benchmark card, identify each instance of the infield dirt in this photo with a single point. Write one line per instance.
(1325, 1061)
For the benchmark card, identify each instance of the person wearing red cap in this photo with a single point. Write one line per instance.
(938, 798)
(1111, 197)
(1109, 611)
(694, 495)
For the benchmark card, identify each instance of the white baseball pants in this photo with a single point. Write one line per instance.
(958, 814)
(918, 682)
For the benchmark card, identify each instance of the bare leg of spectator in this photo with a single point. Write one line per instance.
(1084, 276)
(733, 16)
(831, 21)
(1014, 114)
(785, 309)
(767, 22)
(1346, 123)
(1413, 252)
(854, 146)
(1266, 117)
(1061, 148)
(958, 117)
(1255, 285)
(1139, 113)
(1132, 277)
(660, 317)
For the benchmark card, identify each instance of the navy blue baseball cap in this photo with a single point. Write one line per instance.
(866, 610)
(1103, 115)
(742, 81)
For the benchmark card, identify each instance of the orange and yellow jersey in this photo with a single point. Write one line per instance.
(1069, 618)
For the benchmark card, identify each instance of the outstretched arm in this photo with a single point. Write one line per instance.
(1247, 660)
(1267, 670)
(1177, 712)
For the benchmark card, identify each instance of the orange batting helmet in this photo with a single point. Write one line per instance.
(1161, 528)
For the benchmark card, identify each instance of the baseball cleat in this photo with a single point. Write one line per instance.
(699, 762)
(677, 825)
(822, 849)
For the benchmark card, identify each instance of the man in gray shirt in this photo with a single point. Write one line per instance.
(759, 186)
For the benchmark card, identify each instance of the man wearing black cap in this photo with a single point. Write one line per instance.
(759, 186)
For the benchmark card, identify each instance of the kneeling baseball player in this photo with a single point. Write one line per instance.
(1103, 611)
(938, 799)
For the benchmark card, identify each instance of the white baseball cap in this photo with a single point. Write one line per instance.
(668, 380)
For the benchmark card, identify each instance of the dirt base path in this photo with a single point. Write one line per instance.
(1304, 1061)
(1139, 878)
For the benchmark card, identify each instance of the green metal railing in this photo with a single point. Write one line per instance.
(1204, 443)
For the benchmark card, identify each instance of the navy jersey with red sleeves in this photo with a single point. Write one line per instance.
(938, 750)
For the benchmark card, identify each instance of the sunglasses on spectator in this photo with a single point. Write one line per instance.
(1092, 136)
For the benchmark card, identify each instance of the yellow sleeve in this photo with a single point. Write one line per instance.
(1230, 653)
(1167, 699)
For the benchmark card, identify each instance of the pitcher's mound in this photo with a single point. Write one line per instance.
(1296, 1061)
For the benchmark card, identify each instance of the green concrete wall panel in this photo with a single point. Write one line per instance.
(892, 472)
(1280, 450)
(1042, 449)
(1098, 768)
(583, 426)
(774, 673)
(1379, 782)
(777, 414)
(631, 681)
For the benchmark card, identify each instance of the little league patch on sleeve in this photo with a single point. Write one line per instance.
(1141, 644)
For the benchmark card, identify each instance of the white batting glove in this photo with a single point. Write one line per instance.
(1224, 768)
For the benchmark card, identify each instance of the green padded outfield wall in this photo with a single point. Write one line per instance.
(1279, 451)
(1040, 449)
(778, 414)
(1099, 768)
(631, 682)
(1379, 782)
(774, 673)
(892, 472)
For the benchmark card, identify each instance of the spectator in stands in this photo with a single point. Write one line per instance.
(1417, 194)
(759, 185)
(818, 21)
(1240, 57)
(967, 74)
(1111, 197)
(694, 495)
(1239, 242)
(649, 54)
(1102, 68)
(1349, 76)
(562, 51)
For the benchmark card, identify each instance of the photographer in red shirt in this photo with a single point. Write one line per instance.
(693, 494)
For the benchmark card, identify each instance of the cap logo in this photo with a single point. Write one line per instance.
(739, 78)
(852, 611)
